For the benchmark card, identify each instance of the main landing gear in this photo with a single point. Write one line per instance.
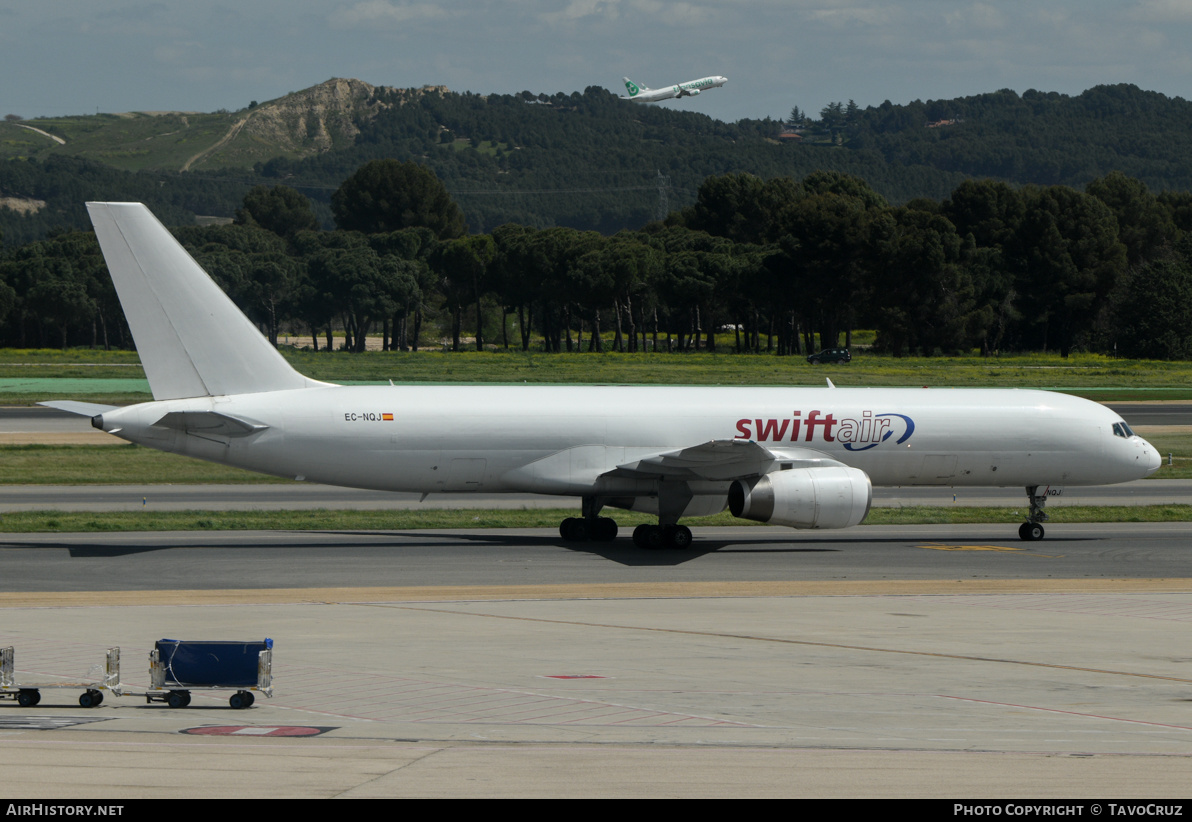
(592, 527)
(662, 536)
(582, 529)
(1032, 529)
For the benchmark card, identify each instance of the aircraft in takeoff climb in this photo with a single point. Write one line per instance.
(643, 94)
(799, 457)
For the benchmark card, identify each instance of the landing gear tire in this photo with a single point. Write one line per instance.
(678, 536)
(662, 536)
(605, 530)
(573, 529)
(641, 536)
(650, 537)
(578, 529)
(1030, 532)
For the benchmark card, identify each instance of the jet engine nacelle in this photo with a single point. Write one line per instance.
(827, 497)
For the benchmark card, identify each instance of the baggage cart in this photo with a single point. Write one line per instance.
(28, 694)
(177, 667)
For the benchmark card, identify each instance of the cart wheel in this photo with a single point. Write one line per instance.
(28, 698)
(185, 698)
(249, 699)
(98, 697)
(177, 699)
(237, 700)
(87, 699)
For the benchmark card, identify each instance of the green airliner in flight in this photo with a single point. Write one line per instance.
(644, 94)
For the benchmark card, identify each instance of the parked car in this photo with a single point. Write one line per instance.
(830, 355)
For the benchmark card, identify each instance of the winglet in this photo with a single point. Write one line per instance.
(830, 385)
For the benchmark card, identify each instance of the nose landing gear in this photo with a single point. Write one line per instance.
(1032, 529)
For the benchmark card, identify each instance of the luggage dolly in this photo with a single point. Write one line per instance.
(177, 667)
(28, 694)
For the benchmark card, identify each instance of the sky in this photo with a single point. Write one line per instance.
(85, 56)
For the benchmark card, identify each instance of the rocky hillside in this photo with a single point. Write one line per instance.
(305, 123)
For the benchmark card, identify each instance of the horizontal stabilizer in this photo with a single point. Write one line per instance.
(83, 409)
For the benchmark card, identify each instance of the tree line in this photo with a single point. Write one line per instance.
(592, 162)
(782, 265)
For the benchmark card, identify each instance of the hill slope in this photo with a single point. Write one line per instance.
(584, 160)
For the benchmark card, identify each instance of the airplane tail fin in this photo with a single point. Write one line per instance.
(193, 341)
(632, 87)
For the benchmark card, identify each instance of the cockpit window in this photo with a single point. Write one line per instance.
(1120, 429)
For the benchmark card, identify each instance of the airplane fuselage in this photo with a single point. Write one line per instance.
(565, 440)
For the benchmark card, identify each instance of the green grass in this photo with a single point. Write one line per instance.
(1180, 447)
(1083, 374)
(133, 142)
(320, 520)
(1087, 375)
(113, 465)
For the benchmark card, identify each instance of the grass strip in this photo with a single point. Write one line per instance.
(27, 522)
(81, 371)
(114, 465)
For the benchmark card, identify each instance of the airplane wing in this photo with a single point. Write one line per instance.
(720, 460)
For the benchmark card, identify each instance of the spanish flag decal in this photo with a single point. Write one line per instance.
(386, 416)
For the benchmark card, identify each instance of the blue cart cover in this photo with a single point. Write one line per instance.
(192, 663)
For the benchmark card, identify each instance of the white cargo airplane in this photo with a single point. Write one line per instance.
(643, 94)
(800, 457)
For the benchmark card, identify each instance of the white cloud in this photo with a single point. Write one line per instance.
(976, 16)
(1163, 11)
(634, 12)
(386, 13)
(851, 15)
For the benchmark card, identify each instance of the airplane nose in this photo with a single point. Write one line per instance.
(1150, 458)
